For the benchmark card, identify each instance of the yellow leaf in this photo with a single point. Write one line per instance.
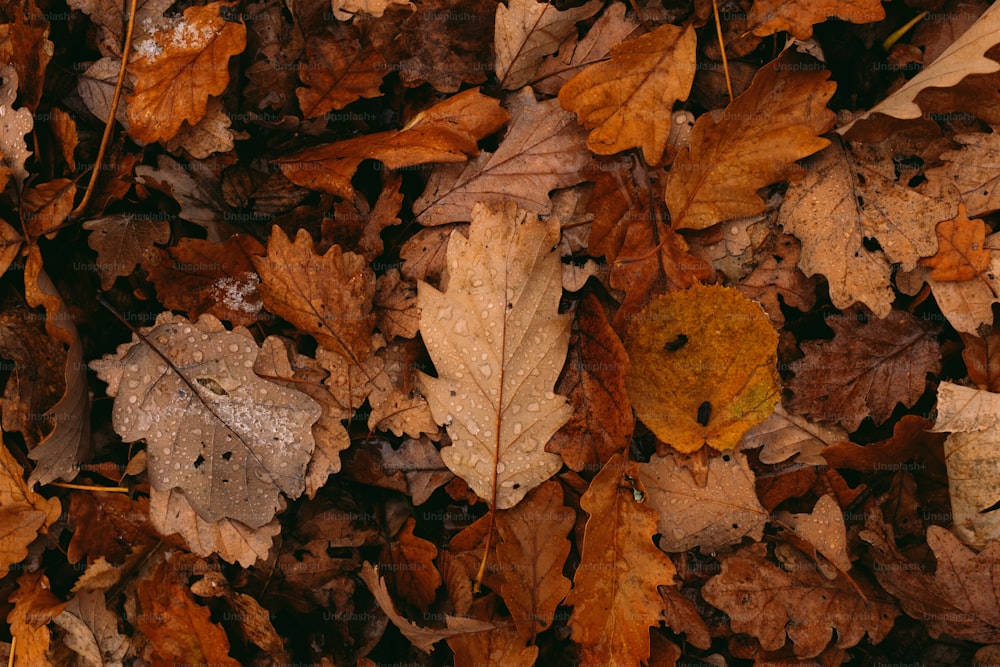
(703, 367)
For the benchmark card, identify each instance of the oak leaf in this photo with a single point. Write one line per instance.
(531, 553)
(754, 143)
(824, 529)
(421, 464)
(843, 380)
(778, 280)
(840, 206)
(594, 381)
(768, 602)
(527, 31)
(337, 70)
(974, 168)
(981, 354)
(960, 255)
(799, 16)
(91, 630)
(447, 132)
(614, 596)
(107, 525)
(179, 68)
(626, 101)
(230, 441)
(712, 515)
(345, 10)
(703, 367)
(212, 134)
(34, 607)
(410, 562)
(498, 344)
(121, 240)
(784, 436)
(193, 186)
(542, 150)
(14, 124)
(23, 513)
(327, 296)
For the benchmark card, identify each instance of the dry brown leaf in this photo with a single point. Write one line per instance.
(960, 255)
(966, 55)
(824, 529)
(328, 296)
(46, 207)
(531, 553)
(337, 70)
(23, 513)
(527, 31)
(718, 513)
(614, 596)
(229, 440)
(784, 435)
(981, 355)
(34, 607)
(395, 302)
(122, 240)
(594, 381)
(754, 143)
(400, 408)
(542, 150)
(13, 126)
(409, 560)
(447, 132)
(420, 463)
(768, 602)
(798, 16)
(193, 186)
(108, 526)
(843, 202)
(178, 68)
(345, 10)
(625, 101)
(501, 646)
(498, 344)
(778, 275)
(91, 630)
(211, 134)
(974, 168)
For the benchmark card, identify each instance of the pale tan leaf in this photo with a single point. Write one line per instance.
(824, 528)
(13, 126)
(421, 464)
(527, 31)
(784, 435)
(498, 344)
(212, 134)
(711, 516)
(92, 630)
(345, 10)
(974, 169)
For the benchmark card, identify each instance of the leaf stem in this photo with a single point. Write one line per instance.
(722, 49)
(88, 487)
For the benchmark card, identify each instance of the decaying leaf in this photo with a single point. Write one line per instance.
(92, 630)
(703, 367)
(230, 441)
(122, 240)
(974, 168)
(23, 513)
(498, 344)
(798, 16)
(13, 126)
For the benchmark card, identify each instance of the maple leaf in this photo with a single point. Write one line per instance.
(337, 70)
(498, 344)
(327, 296)
(690, 382)
(179, 68)
(542, 150)
(614, 596)
(841, 203)
(843, 380)
(625, 101)
(711, 515)
(766, 601)
(527, 31)
(230, 441)
(755, 143)
(798, 16)
(447, 132)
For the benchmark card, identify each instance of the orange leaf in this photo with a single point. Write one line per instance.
(447, 132)
(328, 296)
(338, 71)
(626, 101)
(23, 513)
(798, 16)
(179, 68)
(755, 143)
(703, 367)
(34, 608)
(614, 594)
(960, 255)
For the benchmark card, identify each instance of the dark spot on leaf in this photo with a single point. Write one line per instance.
(704, 413)
(227, 455)
(198, 461)
(676, 344)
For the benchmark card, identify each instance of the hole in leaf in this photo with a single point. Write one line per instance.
(227, 455)
(198, 461)
(213, 386)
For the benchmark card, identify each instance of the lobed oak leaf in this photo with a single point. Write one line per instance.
(13, 126)
(121, 241)
(337, 70)
(531, 554)
(614, 596)
(198, 276)
(228, 440)
(798, 16)
(447, 132)
(34, 607)
(345, 10)
(974, 168)
(542, 150)
(965, 56)
(843, 380)
(768, 602)
(327, 296)
(611, 28)
(410, 562)
(784, 436)
(194, 187)
(179, 68)
(91, 630)
(501, 646)
(498, 344)
(711, 515)
(425, 253)
(703, 367)
(108, 526)
(778, 280)
(25, 44)
(593, 380)
(395, 304)
(23, 513)
(840, 206)
(911, 440)
(625, 101)
(421, 464)
(959, 599)
(400, 408)
(46, 207)
(981, 354)
(527, 31)
(211, 134)
(38, 364)
(960, 255)
(754, 143)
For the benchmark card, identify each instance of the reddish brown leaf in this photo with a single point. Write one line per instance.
(337, 70)
(107, 525)
(981, 355)
(409, 563)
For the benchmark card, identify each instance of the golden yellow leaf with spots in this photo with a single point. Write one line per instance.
(703, 367)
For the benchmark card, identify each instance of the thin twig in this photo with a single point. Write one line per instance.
(88, 487)
(722, 48)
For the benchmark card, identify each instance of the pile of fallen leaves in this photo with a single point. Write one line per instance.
(468, 333)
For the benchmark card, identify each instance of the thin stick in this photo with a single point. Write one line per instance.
(722, 48)
(88, 487)
(110, 125)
